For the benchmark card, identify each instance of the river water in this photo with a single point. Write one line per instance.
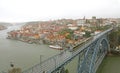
(22, 54)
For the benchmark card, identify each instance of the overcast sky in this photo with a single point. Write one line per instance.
(31, 10)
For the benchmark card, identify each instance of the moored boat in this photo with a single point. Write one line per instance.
(56, 47)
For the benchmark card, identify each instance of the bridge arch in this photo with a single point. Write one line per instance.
(94, 55)
(103, 46)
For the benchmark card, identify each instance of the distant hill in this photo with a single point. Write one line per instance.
(2, 27)
(22, 23)
(33, 22)
(5, 24)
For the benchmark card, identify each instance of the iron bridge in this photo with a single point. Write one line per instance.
(90, 57)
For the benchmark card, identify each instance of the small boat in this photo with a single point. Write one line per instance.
(56, 47)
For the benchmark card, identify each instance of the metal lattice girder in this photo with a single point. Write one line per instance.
(86, 62)
(92, 55)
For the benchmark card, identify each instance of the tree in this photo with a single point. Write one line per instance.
(66, 71)
(114, 38)
(87, 34)
(68, 36)
(65, 31)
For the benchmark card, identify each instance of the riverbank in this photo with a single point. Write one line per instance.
(111, 64)
(2, 27)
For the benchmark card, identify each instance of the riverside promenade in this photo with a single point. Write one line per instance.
(111, 64)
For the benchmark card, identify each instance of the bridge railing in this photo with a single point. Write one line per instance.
(49, 63)
(54, 62)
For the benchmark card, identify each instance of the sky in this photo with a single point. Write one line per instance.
(38, 10)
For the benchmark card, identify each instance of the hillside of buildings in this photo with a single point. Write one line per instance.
(63, 32)
(5, 24)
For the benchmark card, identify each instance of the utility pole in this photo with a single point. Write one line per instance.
(54, 61)
(41, 58)
(41, 62)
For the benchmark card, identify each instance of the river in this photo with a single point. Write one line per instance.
(22, 54)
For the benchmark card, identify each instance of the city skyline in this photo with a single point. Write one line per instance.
(35, 10)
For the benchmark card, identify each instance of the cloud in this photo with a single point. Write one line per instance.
(27, 10)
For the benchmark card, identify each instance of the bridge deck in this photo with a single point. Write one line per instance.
(111, 64)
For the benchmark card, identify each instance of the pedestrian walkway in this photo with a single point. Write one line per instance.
(111, 64)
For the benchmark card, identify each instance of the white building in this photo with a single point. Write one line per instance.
(72, 27)
(81, 22)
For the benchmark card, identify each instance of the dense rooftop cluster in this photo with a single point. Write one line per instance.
(64, 32)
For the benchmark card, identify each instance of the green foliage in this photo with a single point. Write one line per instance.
(69, 36)
(64, 31)
(114, 38)
(87, 21)
(103, 27)
(66, 71)
(87, 34)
